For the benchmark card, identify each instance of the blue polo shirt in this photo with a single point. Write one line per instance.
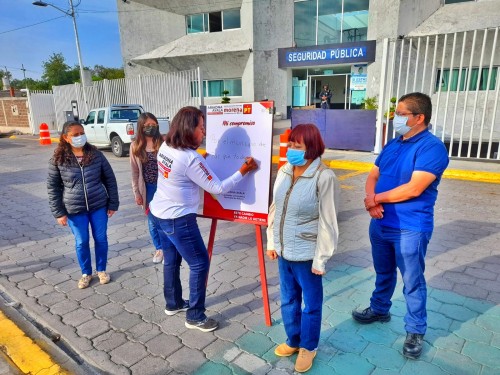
(397, 161)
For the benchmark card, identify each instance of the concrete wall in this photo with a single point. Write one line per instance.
(390, 19)
(143, 29)
(412, 13)
(272, 29)
(14, 115)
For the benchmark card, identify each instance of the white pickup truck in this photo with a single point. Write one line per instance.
(116, 126)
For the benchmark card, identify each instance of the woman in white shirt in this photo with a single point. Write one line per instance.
(181, 174)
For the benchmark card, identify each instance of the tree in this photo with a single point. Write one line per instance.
(30, 83)
(56, 72)
(101, 72)
(5, 73)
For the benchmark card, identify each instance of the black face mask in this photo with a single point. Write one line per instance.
(150, 131)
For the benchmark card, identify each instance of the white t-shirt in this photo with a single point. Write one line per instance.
(181, 173)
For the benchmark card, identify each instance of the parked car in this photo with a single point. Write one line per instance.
(116, 127)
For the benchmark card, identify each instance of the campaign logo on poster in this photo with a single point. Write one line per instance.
(235, 109)
(214, 110)
(247, 109)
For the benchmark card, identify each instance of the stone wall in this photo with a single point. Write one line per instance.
(14, 115)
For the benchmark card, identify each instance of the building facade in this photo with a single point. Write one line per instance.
(287, 50)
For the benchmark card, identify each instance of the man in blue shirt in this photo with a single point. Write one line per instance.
(401, 190)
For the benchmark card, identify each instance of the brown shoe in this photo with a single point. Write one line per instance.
(283, 350)
(104, 277)
(84, 281)
(304, 360)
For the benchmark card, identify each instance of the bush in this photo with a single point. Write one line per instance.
(225, 99)
(370, 103)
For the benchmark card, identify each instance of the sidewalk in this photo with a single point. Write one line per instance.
(120, 328)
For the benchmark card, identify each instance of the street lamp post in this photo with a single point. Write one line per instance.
(70, 12)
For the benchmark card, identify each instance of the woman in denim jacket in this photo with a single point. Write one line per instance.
(302, 234)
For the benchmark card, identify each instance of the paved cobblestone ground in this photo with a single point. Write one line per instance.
(120, 328)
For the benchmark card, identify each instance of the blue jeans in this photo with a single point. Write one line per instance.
(181, 238)
(297, 284)
(153, 230)
(404, 249)
(79, 224)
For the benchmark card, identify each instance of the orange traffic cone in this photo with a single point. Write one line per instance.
(283, 147)
(45, 134)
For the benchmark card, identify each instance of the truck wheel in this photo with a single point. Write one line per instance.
(117, 146)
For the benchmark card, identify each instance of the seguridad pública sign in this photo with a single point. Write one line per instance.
(342, 53)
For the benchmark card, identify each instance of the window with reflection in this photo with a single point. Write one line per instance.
(214, 88)
(196, 23)
(305, 23)
(355, 22)
(213, 22)
(232, 19)
(329, 21)
(319, 22)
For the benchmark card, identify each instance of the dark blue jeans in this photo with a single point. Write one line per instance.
(297, 284)
(181, 238)
(79, 224)
(153, 230)
(404, 249)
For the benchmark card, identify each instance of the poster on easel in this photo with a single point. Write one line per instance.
(234, 132)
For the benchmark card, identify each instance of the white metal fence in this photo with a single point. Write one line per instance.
(41, 110)
(160, 94)
(461, 73)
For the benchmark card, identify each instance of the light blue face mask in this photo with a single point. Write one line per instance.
(400, 126)
(296, 157)
(79, 142)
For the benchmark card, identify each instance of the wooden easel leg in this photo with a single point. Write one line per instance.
(263, 277)
(211, 239)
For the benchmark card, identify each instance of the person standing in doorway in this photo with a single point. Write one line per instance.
(401, 190)
(326, 96)
(143, 153)
(82, 191)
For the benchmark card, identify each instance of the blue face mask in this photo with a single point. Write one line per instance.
(79, 142)
(400, 126)
(296, 157)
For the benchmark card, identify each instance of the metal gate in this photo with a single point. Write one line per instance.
(161, 94)
(41, 110)
(460, 72)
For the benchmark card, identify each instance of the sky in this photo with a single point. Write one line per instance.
(30, 45)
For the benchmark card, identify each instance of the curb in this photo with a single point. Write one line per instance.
(25, 353)
(452, 174)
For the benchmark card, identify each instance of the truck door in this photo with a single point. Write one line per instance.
(89, 127)
(100, 127)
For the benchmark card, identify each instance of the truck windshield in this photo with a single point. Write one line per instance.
(130, 114)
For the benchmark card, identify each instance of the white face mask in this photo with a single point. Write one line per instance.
(400, 124)
(79, 142)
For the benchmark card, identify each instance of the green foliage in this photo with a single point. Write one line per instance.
(30, 83)
(56, 72)
(370, 103)
(392, 108)
(100, 72)
(225, 99)
(5, 73)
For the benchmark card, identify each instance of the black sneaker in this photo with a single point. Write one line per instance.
(412, 347)
(184, 307)
(207, 325)
(368, 316)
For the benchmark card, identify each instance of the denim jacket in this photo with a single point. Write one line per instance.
(302, 222)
